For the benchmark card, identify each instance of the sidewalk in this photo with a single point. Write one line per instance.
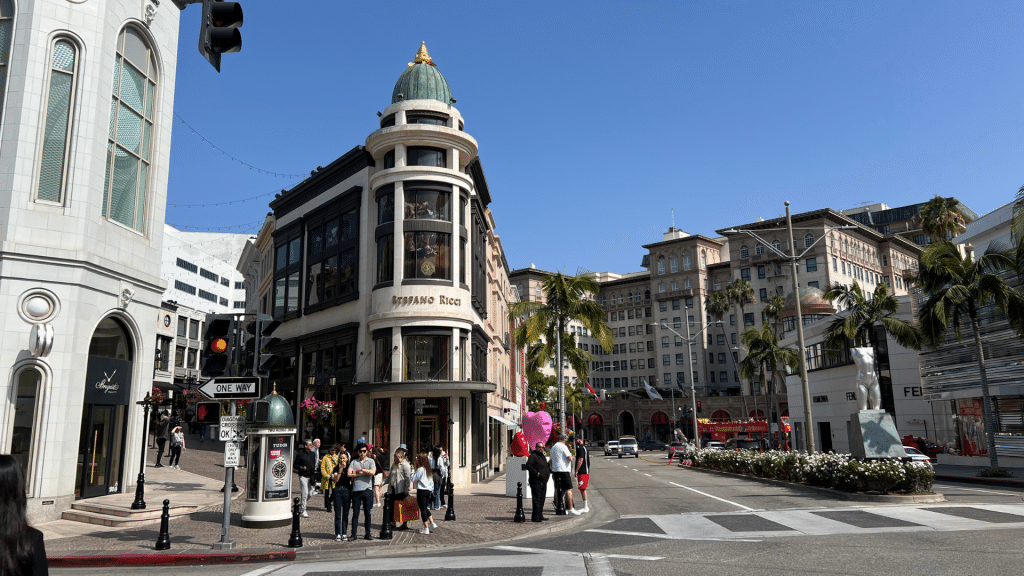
(483, 514)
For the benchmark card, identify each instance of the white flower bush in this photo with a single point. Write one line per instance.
(834, 471)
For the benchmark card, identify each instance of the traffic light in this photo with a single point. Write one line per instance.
(208, 412)
(257, 412)
(218, 350)
(262, 329)
(698, 406)
(218, 30)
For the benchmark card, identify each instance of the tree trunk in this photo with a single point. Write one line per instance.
(743, 396)
(986, 401)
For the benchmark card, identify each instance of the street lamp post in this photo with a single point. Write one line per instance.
(689, 351)
(792, 257)
(140, 484)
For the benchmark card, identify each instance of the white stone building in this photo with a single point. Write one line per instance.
(83, 181)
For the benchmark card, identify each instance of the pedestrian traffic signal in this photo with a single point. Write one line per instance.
(218, 345)
(257, 412)
(263, 328)
(208, 412)
(218, 30)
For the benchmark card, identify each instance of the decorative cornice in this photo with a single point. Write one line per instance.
(321, 180)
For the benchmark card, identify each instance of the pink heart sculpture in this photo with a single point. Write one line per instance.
(536, 427)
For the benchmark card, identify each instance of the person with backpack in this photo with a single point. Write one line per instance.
(177, 445)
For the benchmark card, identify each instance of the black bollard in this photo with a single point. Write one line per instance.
(449, 516)
(520, 515)
(559, 499)
(388, 516)
(163, 541)
(296, 539)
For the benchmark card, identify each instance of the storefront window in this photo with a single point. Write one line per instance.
(427, 357)
(428, 255)
(428, 205)
(25, 416)
(385, 259)
(383, 352)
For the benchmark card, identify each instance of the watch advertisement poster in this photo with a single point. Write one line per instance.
(278, 475)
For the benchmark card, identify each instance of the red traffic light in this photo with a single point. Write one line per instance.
(218, 345)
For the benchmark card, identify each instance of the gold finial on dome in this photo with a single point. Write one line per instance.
(274, 393)
(422, 56)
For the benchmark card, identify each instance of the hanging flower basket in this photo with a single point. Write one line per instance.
(156, 397)
(319, 411)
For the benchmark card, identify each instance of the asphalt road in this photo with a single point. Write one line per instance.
(649, 518)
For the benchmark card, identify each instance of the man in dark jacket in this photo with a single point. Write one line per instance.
(162, 429)
(538, 471)
(305, 462)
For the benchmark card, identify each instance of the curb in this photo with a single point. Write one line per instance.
(152, 559)
(850, 496)
(1001, 482)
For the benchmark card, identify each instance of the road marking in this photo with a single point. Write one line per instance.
(983, 491)
(598, 565)
(711, 496)
(646, 474)
(586, 555)
(264, 570)
(664, 537)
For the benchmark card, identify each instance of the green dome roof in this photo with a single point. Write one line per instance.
(422, 81)
(280, 413)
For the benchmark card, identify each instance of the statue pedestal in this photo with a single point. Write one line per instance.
(873, 435)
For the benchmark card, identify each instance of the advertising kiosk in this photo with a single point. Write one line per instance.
(269, 484)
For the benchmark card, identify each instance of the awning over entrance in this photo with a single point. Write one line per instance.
(508, 423)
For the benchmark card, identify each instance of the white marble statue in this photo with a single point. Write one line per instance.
(869, 392)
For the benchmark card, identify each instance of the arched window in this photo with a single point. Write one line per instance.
(620, 297)
(629, 297)
(703, 259)
(29, 393)
(6, 33)
(759, 248)
(661, 265)
(744, 251)
(720, 416)
(777, 245)
(129, 145)
(537, 291)
(647, 294)
(808, 240)
(59, 113)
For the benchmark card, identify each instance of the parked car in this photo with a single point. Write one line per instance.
(611, 447)
(918, 456)
(653, 445)
(676, 449)
(628, 446)
(743, 443)
(714, 445)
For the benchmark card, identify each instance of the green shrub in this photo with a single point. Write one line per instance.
(834, 471)
(995, 473)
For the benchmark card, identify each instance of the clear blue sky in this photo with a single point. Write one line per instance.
(596, 120)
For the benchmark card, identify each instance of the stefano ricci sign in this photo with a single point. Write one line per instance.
(401, 301)
(108, 381)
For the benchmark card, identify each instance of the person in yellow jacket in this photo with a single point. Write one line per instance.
(327, 484)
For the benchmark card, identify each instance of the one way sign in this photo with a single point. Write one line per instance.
(232, 388)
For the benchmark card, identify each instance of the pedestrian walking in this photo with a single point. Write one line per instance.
(437, 466)
(380, 461)
(446, 468)
(161, 436)
(423, 479)
(405, 508)
(23, 552)
(582, 470)
(362, 470)
(327, 481)
(538, 471)
(177, 445)
(342, 495)
(316, 468)
(305, 462)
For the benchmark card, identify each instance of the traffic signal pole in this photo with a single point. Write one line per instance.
(229, 481)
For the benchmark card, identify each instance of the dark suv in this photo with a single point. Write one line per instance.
(743, 443)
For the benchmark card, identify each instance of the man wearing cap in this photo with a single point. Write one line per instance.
(538, 471)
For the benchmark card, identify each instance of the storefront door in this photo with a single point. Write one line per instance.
(426, 433)
(97, 453)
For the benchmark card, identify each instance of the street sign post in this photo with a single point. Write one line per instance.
(232, 388)
(231, 459)
(232, 428)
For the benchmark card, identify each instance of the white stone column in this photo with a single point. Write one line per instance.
(398, 361)
(456, 357)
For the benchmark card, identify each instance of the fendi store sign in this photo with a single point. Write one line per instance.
(398, 301)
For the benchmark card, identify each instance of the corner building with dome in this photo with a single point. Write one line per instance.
(392, 288)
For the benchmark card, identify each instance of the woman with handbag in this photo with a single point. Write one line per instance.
(398, 486)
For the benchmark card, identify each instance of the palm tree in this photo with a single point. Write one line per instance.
(957, 288)
(740, 292)
(566, 299)
(772, 308)
(864, 313)
(716, 305)
(764, 355)
(941, 218)
(577, 398)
